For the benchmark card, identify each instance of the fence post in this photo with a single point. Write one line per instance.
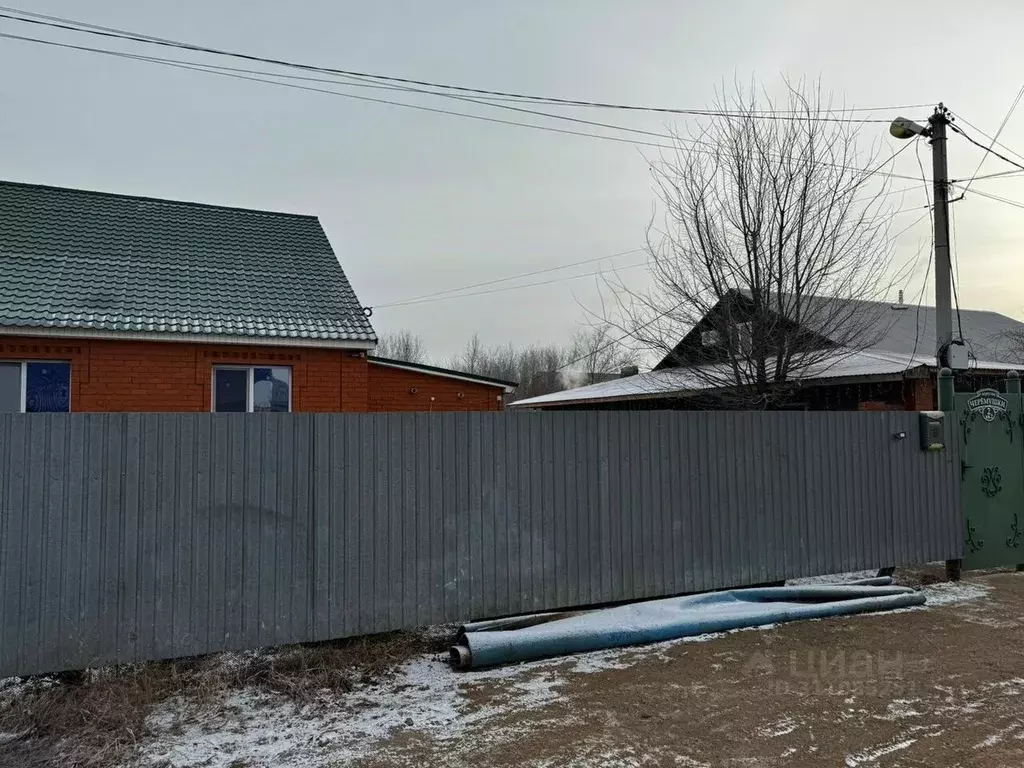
(946, 391)
(947, 404)
(1012, 383)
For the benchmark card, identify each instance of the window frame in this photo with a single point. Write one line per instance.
(744, 337)
(23, 380)
(249, 381)
(711, 338)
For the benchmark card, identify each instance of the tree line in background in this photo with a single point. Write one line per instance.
(592, 355)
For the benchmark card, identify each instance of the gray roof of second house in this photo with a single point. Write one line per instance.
(847, 365)
(908, 329)
(75, 260)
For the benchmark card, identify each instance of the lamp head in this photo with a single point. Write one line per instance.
(902, 128)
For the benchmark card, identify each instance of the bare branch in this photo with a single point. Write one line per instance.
(401, 345)
(766, 249)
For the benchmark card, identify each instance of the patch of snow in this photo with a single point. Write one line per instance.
(12, 687)
(832, 578)
(998, 736)
(621, 757)
(263, 729)
(789, 751)
(781, 728)
(901, 708)
(951, 592)
(872, 755)
(1012, 687)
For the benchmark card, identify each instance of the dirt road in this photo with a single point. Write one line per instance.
(939, 686)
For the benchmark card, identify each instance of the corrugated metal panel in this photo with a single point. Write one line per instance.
(128, 537)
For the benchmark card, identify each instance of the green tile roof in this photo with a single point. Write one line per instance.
(95, 261)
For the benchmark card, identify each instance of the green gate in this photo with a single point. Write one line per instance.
(991, 426)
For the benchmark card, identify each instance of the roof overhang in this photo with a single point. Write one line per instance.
(445, 373)
(192, 338)
(912, 371)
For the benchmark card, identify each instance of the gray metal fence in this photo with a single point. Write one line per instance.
(127, 537)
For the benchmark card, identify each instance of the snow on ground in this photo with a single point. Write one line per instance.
(832, 578)
(872, 755)
(258, 729)
(950, 592)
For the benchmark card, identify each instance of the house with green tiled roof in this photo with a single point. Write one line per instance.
(111, 302)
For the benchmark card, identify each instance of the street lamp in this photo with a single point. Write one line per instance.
(902, 128)
(952, 355)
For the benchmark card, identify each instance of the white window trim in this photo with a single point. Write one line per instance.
(23, 382)
(248, 384)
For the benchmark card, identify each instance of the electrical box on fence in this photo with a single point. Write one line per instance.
(932, 432)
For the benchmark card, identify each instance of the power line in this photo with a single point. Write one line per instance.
(234, 73)
(974, 127)
(71, 25)
(955, 277)
(989, 176)
(1000, 199)
(989, 149)
(436, 110)
(910, 226)
(502, 290)
(455, 293)
(931, 252)
(506, 279)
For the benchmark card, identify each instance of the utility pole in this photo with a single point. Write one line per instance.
(943, 277)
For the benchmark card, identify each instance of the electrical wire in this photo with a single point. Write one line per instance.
(71, 25)
(446, 297)
(1000, 199)
(920, 300)
(234, 73)
(969, 124)
(995, 138)
(988, 149)
(506, 279)
(931, 253)
(989, 176)
(456, 293)
(955, 277)
(419, 107)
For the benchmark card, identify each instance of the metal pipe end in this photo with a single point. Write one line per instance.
(460, 657)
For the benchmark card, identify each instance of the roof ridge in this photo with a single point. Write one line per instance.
(151, 199)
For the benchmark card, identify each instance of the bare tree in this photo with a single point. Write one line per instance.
(597, 352)
(540, 371)
(772, 230)
(401, 345)
(536, 369)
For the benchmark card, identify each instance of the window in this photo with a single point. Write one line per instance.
(37, 387)
(744, 338)
(247, 390)
(710, 338)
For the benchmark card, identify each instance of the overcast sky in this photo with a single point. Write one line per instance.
(415, 203)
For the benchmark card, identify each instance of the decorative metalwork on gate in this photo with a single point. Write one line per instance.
(991, 481)
(992, 470)
(967, 420)
(1014, 541)
(975, 545)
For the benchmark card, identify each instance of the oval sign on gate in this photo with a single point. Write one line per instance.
(987, 403)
